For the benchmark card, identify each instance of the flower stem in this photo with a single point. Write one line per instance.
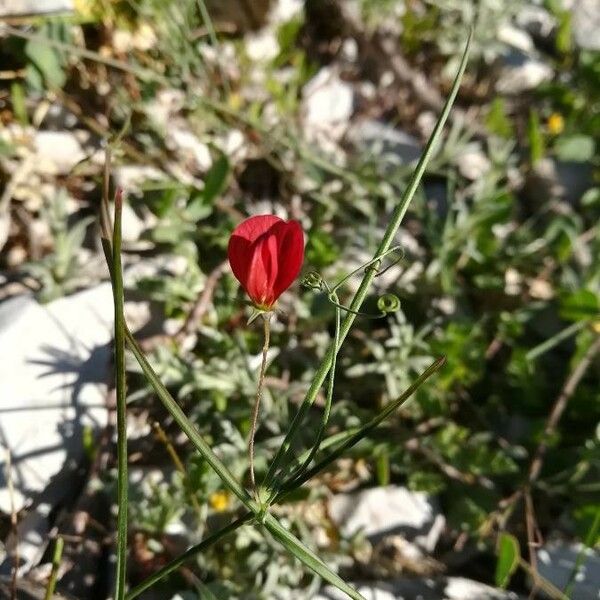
(266, 317)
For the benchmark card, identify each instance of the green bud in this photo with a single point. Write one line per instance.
(312, 280)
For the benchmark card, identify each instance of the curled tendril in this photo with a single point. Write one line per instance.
(313, 281)
(388, 303)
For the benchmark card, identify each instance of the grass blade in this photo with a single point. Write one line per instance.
(122, 481)
(189, 428)
(309, 558)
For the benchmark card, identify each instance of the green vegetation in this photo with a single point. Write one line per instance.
(499, 272)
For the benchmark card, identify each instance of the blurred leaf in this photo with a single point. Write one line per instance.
(591, 197)
(508, 559)
(575, 148)
(426, 481)
(587, 523)
(583, 304)
(536, 139)
(47, 62)
(497, 121)
(216, 179)
(564, 33)
(383, 467)
(17, 98)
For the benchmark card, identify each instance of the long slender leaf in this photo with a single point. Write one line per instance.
(345, 440)
(363, 289)
(188, 554)
(309, 558)
(122, 481)
(509, 553)
(363, 431)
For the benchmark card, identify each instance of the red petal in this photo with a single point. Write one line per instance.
(291, 256)
(240, 251)
(264, 267)
(266, 255)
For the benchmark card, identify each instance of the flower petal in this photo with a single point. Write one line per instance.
(291, 255)
(240, 251)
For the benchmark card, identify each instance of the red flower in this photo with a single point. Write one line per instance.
(265, 254)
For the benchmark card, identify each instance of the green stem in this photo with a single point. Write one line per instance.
(385, 245)
(347, 440)
(266, 318)
(56, 558)
(556, 339)
(122, 481)
(187, 555)
(291, 484)
(328, 401)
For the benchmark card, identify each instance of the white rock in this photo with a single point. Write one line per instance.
(327, 100)
(57, 152)
(443, 588)
(513, 36)
(188, 144)
(526, 74)
(14, 8)
(391, 509)
(473, 163)
(52, 384)
(132, 177)
(556, 562)
(586, 24)
(262, 46)
(285, 10)
(381, 140)
(536, 20)
(233, 145)
(165, 104)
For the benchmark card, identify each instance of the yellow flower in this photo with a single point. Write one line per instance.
(556, 124)
(219, 501)
(596, 326)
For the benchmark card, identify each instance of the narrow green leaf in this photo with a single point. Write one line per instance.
(309, 558)
(363, 431)
(575, 148)
(509, 554)
(189, 429)
(556, 339)
(536, 138)
(122, 481)
(187, 555)
(56, 558)
(47, 62)
(363, 289)
(344, 440)
(383, 467)
(17, 98)
(216, 179)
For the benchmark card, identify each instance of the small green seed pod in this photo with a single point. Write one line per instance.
(388, 303)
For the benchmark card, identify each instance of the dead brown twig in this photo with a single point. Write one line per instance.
(508, 505)
(559, 407)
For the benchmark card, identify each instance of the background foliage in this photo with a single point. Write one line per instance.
(500, 269)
